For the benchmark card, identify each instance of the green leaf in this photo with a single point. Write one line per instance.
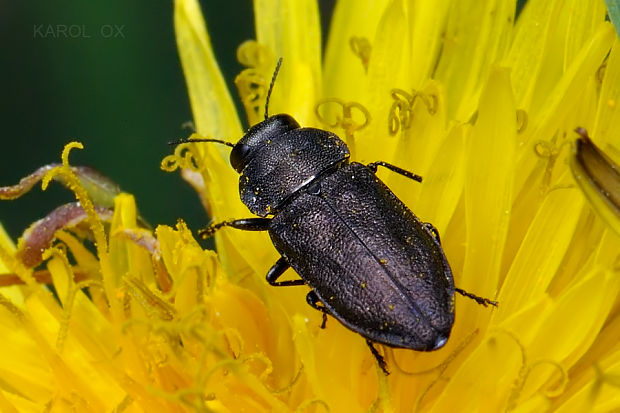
(613, 9)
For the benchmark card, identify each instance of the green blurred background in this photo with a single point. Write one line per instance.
(113, 82)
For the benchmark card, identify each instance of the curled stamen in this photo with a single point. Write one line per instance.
(322, 118)
(399, 115)
(401, 112)
(184, 157)
(361, 48)
(561, 385)
(290, 385)
(521, 120)
(253, 54)
(188, 157)
(265, 360)
(229, 333)
(252, 84)
(252, 87)
(600, 73)
(549, 150)
(169, 164)
(345, 120)
(545, 149)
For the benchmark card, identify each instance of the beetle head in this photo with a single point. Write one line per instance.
(258, 136)
(262, 133)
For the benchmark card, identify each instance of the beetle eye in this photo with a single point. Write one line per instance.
(238, 156)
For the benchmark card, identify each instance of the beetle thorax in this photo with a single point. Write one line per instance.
(283, 163)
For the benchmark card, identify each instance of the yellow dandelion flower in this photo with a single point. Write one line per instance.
(480, 102)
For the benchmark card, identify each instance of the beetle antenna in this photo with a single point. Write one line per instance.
(180, 141)
(273, 81)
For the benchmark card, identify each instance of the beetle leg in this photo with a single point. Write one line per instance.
(277, 270)
(312, 299)
(373, 167)
(480, 300)
(378, 357)
(432, 229)
(248, 224)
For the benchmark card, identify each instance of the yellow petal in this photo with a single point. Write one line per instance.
(442, 185)
(535, 26)
(427, 22)
(607, 126)
(541, 251)
(586, 305)
(427, 117)
(476, 38)
(488, 187)
(212, 106)
(291, 29)
(344, 72)
(387, 70)
(13, 293)
(582, 21)
(564, 96)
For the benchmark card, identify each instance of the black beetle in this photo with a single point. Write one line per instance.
(369, 261)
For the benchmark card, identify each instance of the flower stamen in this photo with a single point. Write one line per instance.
(60, 253)
(252, 87)
(290, 385)
(549, 150)
(521, 120)
(401, 112)
(361, 48)
(81, 195)
(562, 382)
(227, 334)
(346, 119)
(153, 304)
(184, 157)
(254, 54)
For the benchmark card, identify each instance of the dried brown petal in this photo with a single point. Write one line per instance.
(100, 188)
(599, 178)
(40, 234)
